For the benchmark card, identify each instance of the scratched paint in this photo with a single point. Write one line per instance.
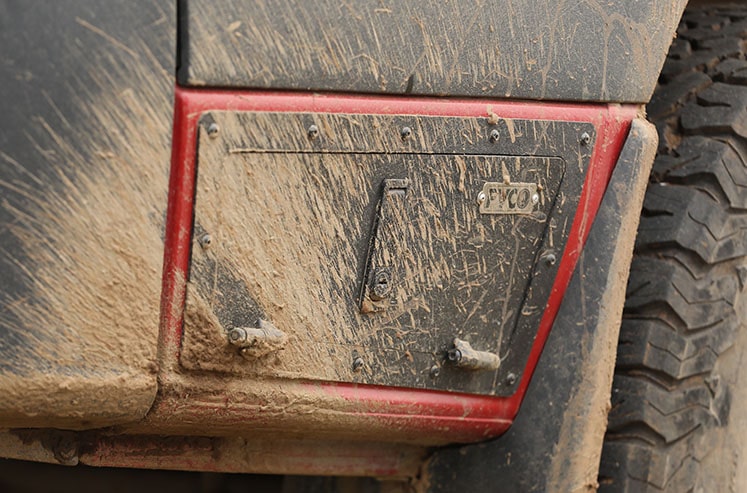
(556, 50)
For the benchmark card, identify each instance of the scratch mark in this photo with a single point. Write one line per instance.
(107, 37)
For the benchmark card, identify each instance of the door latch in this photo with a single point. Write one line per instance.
(462, 355)
(384, 264)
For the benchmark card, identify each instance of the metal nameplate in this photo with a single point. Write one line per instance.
(508, 198)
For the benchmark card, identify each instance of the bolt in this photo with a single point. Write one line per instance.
(510, 379)
(382, 285)
(454, 355)
(237, 335)
(312, 132)
(357, 364)
(66, 451)
(481, 198)
(205, 240)
(535, 198)
(585, 139)
(550, 259)
(213, 130)
(405, 133)
(494, 136)
(435, 371)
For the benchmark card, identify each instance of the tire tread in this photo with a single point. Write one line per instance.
(688, 271)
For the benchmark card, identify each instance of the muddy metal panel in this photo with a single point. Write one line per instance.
(378, 249)
(555, 442)
(85, 94)
(527, 49)
(239, 403)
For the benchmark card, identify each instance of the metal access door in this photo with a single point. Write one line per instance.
(389, 250)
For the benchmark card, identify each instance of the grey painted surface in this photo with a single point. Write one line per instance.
(527, 49)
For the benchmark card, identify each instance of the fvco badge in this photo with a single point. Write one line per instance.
(514, 198)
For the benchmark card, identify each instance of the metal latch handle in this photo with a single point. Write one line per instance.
(257, 342)
(462, 355)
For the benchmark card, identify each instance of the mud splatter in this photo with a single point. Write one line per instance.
(91, 235)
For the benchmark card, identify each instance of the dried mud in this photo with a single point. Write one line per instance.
(92, 247)
(289, 232)
(576, 466)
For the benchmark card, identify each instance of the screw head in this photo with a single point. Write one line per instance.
(454, 355)
(357, 364)
(205, 240)
(382, 284)
(213, 130)
(481, 197)
(405, 133)
(494, 135)
(510, 379)
(312, 132)
(236, 335)
(66, 450)
(435, 371)
(550, 259)
(585, 139)
(535, 198)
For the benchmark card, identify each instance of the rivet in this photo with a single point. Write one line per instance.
(213, 130)
(550, 259)
(357, 364)
(405, 133)
(205, 240)
(435, 371)
(481, 197)
(585, 139)
(494, 135)
(510, 379)
(535, 198)
(312, 132)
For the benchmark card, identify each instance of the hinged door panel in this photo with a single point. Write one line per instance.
(372, 249)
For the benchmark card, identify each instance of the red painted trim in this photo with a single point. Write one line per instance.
(464, 416)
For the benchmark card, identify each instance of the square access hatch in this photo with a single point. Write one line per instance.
(404, 251)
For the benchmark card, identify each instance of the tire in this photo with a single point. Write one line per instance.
(678, 420)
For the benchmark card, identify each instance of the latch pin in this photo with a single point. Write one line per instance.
(462, 355)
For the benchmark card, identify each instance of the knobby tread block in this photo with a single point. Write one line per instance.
(654, 469)
(701, 159)
(665, 103)
(688, 218)
(731, 71)
(656, 345)
(719, 109)
(708, 56)
(671, 413)
(688, 275)
(698, 303)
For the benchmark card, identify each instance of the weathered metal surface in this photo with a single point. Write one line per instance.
(555, 442)
(290, 219)
(85, 94)
(528, 49)
(230, 404)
